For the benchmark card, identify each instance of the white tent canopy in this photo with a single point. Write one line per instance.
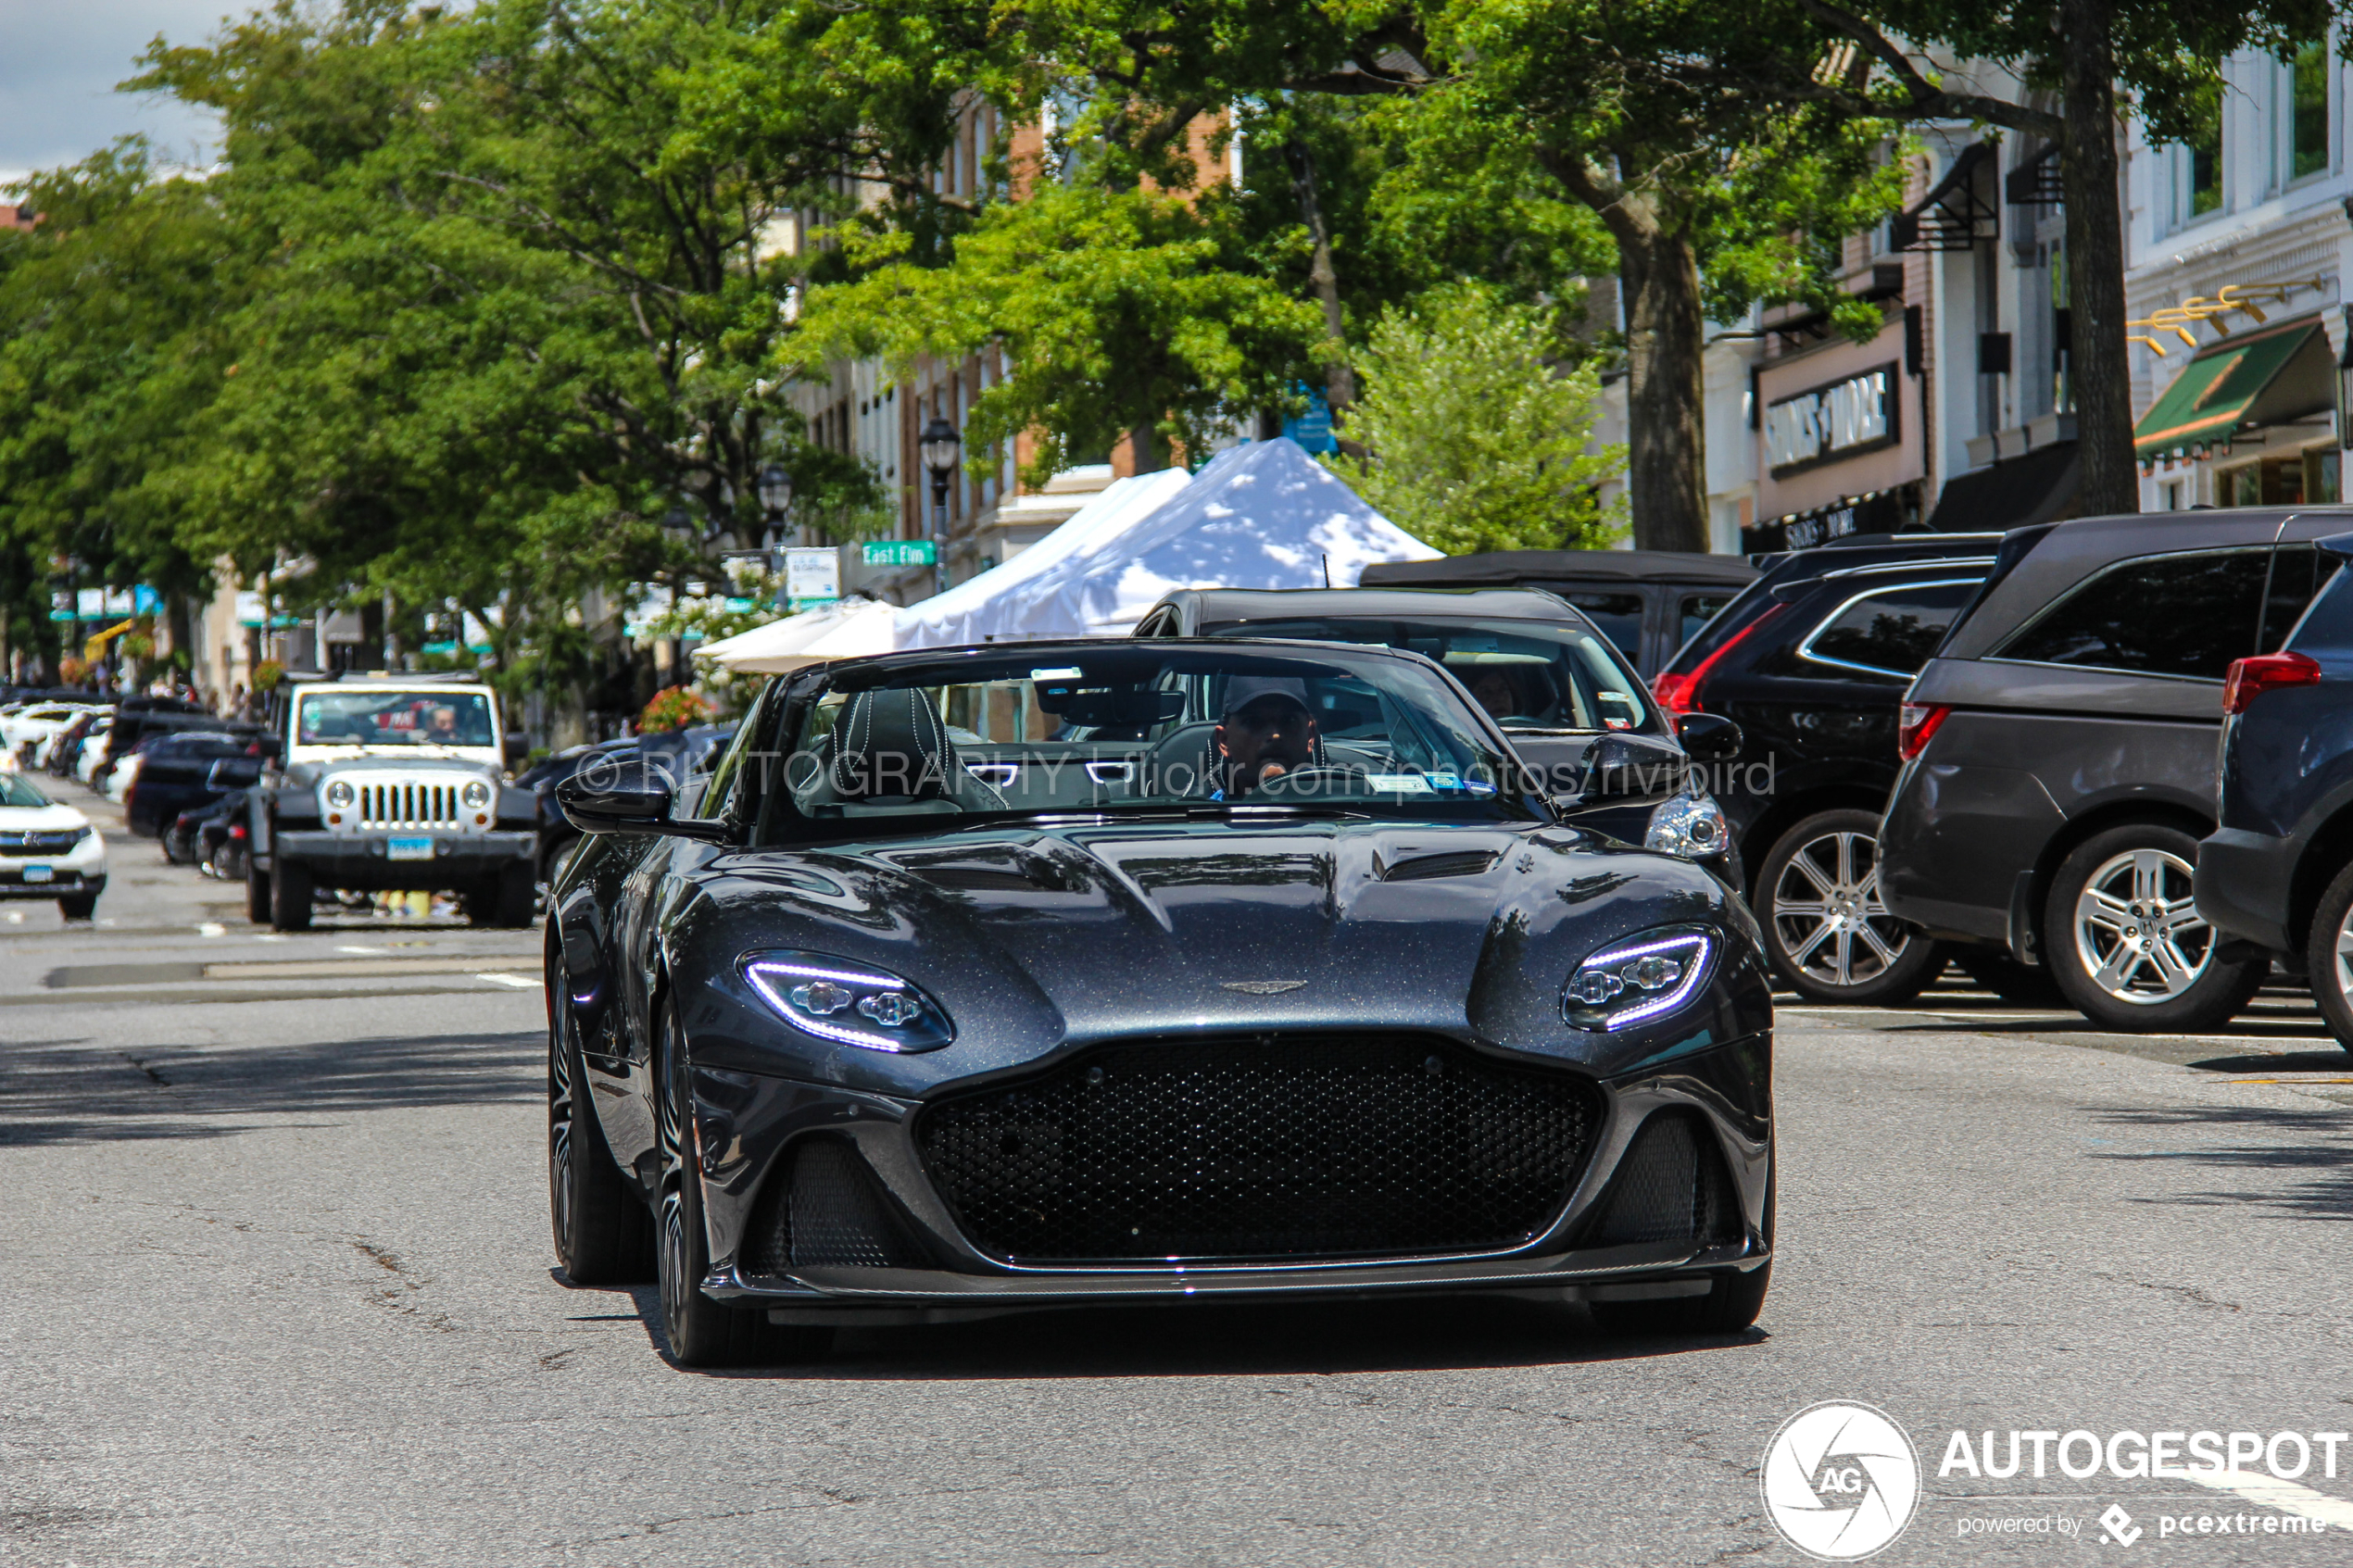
(983, 607)
(851, 628)
(1264, 515)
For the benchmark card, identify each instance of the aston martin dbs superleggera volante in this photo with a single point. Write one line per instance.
(1053, 973)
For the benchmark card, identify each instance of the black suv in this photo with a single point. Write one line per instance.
(1811, 662)
(1648, 602)
(2278, 874)
(2059, 753)
(1568, 701)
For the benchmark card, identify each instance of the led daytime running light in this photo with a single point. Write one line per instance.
(1699, 946)
(804, 994)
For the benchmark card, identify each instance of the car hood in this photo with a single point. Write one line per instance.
(1033, 939)
(52, 818)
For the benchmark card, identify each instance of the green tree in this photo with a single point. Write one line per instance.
(1478, 437)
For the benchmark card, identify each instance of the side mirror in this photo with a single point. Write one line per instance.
(1708, 737)
(517, 750)
(626, 799)
(1631, 770)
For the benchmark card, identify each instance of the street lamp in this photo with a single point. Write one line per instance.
(939, 448)
(776, 491)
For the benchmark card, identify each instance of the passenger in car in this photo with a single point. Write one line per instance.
(1265, 732)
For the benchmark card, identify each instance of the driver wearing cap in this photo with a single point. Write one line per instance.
(1266, 732)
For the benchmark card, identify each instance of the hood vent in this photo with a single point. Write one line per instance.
(977, 879)
(1426, 868)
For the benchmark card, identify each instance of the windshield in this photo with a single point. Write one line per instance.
(1148, 726)
(1527, 675)
(337, 718)
(16, 790)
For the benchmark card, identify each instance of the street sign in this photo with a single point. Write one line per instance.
(901, 552)
(812, 574)
(1313, 429)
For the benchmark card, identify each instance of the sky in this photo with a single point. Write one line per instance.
(59, 60)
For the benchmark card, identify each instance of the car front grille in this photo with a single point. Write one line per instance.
(407, 805)
(1273, 1147)
(58, 843)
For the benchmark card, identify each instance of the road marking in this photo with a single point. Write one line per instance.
(517, 981)
(2271, 1492)
(366, 952)
(16, 917)
(212, 928)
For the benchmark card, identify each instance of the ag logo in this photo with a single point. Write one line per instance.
(1841, 1481)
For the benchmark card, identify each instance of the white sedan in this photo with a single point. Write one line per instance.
(48, 851)
(37, 722)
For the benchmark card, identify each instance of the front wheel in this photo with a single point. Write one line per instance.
(603, 1234)
(1827, 931)
(508, 899)
(290, 890)
(78, 906)
(2329, 957)
(2124, 941)
(701, 1331)
(257, 895)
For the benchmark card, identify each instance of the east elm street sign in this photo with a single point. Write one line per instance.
(1825, 423)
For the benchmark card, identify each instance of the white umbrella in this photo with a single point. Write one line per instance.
(851, 628)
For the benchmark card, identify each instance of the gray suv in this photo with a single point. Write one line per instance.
(2058, 753)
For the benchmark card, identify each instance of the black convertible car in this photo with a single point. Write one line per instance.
(1078, 972)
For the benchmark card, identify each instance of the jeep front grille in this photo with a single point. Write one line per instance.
(407, 805)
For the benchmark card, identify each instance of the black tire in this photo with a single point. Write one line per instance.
(701, 1331)
(2007, 978)
(2139, 959)
(1730, 1306)
(257, 895)
(2328, 956)
(509, 900)
(1827, 934)
(290, 891)
(604, 1232)
(78, 906)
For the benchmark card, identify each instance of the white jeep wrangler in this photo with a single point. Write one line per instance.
(392, 784)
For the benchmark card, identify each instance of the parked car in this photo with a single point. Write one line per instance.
(1648, 602)
(2059, 754)
(2277, 874)
(1166, 1026)
(222, 836)
(186, 768)
(1811, 663)
(26, 732)
(48, 851)
(1541, 670)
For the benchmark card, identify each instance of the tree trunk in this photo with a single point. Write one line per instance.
(1340, 379)
(1665, 383)
(2095, 260)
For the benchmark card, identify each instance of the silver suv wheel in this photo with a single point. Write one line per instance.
(1827, 912)
(2138, 934)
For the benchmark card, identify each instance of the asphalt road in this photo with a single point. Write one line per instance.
(275, 1287)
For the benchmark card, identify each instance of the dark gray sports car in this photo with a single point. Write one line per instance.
(1079, 973)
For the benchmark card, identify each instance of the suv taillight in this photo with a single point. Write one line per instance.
(1680, 693)
(1915, 722)
(2251, 678)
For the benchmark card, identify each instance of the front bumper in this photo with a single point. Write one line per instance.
(65, 881)
(363, 861)
(751, 1128)
(2243, 886)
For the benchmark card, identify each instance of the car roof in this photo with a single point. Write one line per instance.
(1255, 604)
(1512, 567)
(1063, 647)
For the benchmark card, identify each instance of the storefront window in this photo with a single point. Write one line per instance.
(2205, 149)
(2239, 487)
(2310, 132)
(2321, 483)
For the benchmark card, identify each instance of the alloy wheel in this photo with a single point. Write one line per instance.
(2137, 933)
(1828, 915)
(2345, 956)
(679, 1277)
(561, 1093)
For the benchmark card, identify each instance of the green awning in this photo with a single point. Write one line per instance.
(2276, 373)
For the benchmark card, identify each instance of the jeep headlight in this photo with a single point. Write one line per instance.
(340, 795)
(1688, 827)
(848, 1003)
(1643, 976)
(476, 796)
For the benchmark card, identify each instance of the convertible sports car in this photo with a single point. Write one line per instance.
(1057, 974)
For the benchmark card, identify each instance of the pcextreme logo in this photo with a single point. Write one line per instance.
(1841, 1481)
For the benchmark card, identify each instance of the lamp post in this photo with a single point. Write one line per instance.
(939, 447)
(775, 497)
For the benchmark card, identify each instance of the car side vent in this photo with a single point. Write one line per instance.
(1671, 1185)
(1427, 868)
(826, 1212)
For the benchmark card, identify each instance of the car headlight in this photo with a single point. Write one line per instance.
(1644, 976)
(340, 795)
(848, 1003)
(476, 796)
(1688, 826)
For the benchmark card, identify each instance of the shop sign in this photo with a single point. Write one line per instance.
(1829, 422)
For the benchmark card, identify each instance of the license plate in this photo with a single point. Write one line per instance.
(409, 850)
(40, 873)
